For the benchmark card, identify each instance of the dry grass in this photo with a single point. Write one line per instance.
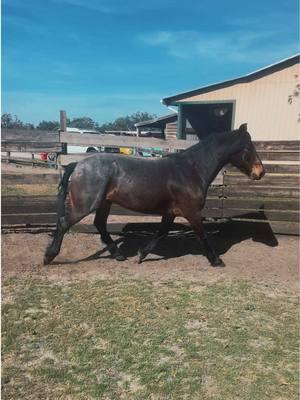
(135, 340)
(29, 190)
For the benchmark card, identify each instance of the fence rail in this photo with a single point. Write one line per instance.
(27, 141)
(126, 141)
(233, 196)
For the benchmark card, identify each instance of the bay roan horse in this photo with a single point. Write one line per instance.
(171, 186)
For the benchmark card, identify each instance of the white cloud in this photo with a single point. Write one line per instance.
(124, 7)
(100, 6)
(26, 25)
(103, 6)
(244, 46)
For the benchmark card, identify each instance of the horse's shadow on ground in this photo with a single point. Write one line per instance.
(182, 241)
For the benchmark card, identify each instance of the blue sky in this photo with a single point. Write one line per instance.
(109, 58)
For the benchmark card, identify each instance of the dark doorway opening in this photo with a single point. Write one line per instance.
(208, 118)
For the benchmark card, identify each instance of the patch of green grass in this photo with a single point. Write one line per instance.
(135, 340)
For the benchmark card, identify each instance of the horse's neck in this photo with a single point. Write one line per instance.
(210, 156)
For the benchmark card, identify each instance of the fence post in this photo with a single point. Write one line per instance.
(63, 121)
(181, 124)
(223, 193)
(63, 128)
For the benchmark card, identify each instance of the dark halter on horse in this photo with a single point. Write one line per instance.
(175, 185)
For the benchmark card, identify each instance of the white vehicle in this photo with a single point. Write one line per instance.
(71, 149)
(82, 149)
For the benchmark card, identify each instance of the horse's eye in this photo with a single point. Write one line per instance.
(247, 157)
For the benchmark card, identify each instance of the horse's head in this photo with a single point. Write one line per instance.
(247, 160)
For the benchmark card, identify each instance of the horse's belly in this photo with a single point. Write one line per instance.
(144, 201)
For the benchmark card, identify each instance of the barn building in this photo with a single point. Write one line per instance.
(267, 99)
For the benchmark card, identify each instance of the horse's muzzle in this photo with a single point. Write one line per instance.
(257, 172)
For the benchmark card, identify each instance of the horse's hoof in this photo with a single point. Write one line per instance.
(141, 257)
(218, 263)
(120, 257)
(47, 260)
(49, 255)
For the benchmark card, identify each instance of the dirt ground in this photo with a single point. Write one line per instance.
(263, 258)
(177, 258)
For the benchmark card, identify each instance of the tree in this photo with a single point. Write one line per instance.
(127, 123)
(10, 122)
(28, 126)
(141, 117)
(6, 120)
(295, 94)
(120, 124)
(83, 123)
(48, 125)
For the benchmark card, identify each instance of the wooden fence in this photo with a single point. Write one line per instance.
(273, 200)
(29, 141)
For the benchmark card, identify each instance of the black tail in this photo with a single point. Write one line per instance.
(62, 226)
(63, 190)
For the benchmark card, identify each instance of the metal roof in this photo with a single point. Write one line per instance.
(157, 122)
(287, 62)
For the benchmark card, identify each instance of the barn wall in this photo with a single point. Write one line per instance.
(263, 104)
(171, 130)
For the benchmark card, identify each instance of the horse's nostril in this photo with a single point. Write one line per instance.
(257, 172)
(261, 174)
(255, 177)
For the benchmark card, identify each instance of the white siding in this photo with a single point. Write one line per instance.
(263, 104)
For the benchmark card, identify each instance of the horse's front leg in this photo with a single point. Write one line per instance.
(196, 223)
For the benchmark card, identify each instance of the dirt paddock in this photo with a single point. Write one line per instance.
(261, 258)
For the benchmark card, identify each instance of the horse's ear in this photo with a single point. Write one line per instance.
(243, 128)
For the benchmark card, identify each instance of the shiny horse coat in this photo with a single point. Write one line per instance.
(175, 185)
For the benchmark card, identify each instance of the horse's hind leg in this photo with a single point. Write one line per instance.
(84, 197)
(54, 248)
(163, 230)
(100, 223)
(63, 224)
